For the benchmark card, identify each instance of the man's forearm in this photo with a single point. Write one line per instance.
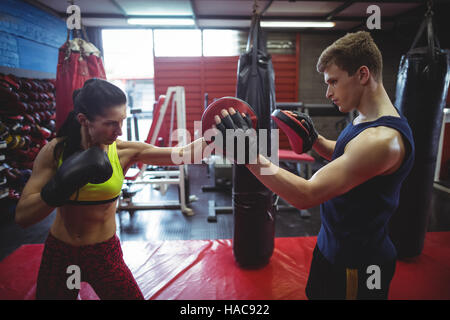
(324, 147)
(290, 187)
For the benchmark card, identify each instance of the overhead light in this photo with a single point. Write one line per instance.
(297, 24)
(162, 21)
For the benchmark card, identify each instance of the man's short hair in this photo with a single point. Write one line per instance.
(351, 52)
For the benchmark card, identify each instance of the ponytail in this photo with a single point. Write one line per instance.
(71, 134)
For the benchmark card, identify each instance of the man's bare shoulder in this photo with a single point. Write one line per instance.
(379, 136)
(381, 144)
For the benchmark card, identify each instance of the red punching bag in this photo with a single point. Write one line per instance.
(78, 61)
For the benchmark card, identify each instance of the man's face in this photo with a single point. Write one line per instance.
(343, 90)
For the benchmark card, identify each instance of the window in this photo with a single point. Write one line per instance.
(221, 42)
(128, 62)
(128, 54)
(178, 43)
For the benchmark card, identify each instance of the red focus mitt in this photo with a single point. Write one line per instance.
(298, 127)
(225, 103)
(232, 122)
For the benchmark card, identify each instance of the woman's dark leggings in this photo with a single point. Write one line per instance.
(101, 265)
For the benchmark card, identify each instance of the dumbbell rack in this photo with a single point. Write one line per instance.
(27, 123)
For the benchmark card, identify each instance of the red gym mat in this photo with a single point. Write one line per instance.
(205, 270)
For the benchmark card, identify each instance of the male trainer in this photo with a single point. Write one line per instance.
(358, 190)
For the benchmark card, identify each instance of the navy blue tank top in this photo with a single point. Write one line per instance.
(354, 230)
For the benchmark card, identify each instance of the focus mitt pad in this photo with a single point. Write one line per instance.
(232, 122)
(216, 107)
(298, 127)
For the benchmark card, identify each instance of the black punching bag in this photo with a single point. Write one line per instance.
(422, 85)
(253, 209)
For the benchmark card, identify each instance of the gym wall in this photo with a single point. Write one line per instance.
(216, 76)
(29, 43)
(30, 38)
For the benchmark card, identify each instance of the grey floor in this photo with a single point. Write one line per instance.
(173, 225)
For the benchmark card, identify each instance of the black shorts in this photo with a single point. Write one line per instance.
(328, 281)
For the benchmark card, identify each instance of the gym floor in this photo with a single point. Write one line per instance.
(173, 225)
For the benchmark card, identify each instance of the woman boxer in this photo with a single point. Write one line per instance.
(81, 173)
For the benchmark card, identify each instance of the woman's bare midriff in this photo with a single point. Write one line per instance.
(80, 225)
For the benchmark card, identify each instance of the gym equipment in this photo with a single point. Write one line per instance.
(422, 85)
(78, 61)
(222, 171)
(162, 137)
(136, 178)
(253, 204)
(241, 107)
(225, 103)
(25, 122)
(299, 129)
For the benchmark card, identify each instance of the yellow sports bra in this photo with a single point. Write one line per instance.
(105, 192)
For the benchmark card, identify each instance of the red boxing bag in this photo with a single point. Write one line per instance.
(78, 61)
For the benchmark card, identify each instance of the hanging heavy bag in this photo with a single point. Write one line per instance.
(78, 61)
(253, 209)
(422, 85)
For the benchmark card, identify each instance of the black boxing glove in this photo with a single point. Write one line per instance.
(234, 129)
(89, 166)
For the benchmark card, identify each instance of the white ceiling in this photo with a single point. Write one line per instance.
(232, 14)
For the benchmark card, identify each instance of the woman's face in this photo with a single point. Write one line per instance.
(106, 128)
